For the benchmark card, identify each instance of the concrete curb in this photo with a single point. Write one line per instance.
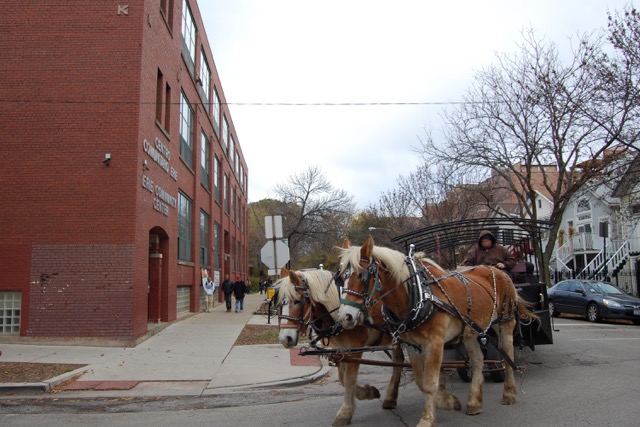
(291, 382)
(41, 387)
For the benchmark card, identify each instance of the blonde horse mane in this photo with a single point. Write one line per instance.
(321, 288)
(394, 261)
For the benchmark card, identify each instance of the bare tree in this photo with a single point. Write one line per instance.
(315, 214)
(527, 120)
(620, 73)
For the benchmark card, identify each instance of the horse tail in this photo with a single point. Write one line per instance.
(525, 308)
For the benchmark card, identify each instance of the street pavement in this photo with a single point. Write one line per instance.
(192, 356)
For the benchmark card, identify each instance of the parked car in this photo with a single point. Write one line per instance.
(594, 299)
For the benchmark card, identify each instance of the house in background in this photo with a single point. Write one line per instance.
(599, 236)
(122, 171)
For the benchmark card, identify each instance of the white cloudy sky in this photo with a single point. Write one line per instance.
(362, 51)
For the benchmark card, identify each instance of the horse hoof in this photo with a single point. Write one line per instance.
(474, 410)
(457, 406)
(389, 404)
(508, 400)
(341, 421)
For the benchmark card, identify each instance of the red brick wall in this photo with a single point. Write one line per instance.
(81, 83)
(82, 291)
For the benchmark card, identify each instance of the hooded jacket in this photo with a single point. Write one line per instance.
(492, 255)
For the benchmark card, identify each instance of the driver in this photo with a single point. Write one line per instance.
(488, 252)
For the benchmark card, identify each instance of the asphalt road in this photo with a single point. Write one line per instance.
(590, 376)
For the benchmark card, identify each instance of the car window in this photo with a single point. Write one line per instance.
(606, 288)
(564, 286)
(577, 287)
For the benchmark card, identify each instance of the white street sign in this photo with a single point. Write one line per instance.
(273, 227)
(275, 254)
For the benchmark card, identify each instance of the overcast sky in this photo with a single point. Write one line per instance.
(362, 51)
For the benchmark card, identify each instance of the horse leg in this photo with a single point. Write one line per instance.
(391, 397)
(431, 362)
(444, 400)
(476, 358)
(352, 391)
(506, 338)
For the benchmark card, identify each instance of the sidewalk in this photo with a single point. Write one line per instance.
(194, 356)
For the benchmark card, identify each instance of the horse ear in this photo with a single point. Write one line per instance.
(284, 273)
(367, 249)
(293, 277)
(346, 244)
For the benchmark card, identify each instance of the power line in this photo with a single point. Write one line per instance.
(258, 104)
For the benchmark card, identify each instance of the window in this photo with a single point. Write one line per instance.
(216, 245)
(159, 96)
(216, 179)
(583, 210)
(205, 80)
(167, 109)
(204, 160)
(183, 299)
(186, 130)
(216, 111)
(10, 312)
(184, 227)
(232, 199)
(166, 9)
(232, 148)
(225, 136)
(583, 206)
(225, 192)
(236, 163)
(163, 102)
(188, 37)
(204, 238)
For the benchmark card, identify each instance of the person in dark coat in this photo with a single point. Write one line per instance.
(227, 289)
(488, 252)
(239, 291)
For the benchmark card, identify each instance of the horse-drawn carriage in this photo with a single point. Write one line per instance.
(522, 237)
(406, 300)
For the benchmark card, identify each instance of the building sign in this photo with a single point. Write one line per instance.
(160, 154)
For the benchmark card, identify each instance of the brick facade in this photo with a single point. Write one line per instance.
(93, 246)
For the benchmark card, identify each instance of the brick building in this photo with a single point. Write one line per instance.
(121, 169)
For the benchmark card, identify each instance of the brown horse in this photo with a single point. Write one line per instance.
(312, 302)
(426, 307)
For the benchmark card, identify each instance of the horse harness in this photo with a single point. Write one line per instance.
(422, 301)
(315, 322)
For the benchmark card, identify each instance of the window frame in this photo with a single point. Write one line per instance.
(185, 223)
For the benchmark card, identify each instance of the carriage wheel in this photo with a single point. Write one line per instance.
(465, 373)
(497, 375)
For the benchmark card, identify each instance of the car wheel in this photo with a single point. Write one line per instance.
(593, 313)
(552, 310)
(636, 321)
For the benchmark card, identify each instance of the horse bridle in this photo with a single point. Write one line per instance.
(365, 279)
(303, 325)
(305, 299)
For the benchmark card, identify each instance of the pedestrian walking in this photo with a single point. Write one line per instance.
(227, 289)
(209, 288)
(239, 291)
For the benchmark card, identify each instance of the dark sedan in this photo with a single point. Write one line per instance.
(593, 299)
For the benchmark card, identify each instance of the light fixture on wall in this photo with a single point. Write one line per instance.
(107, 159)
(145, 165)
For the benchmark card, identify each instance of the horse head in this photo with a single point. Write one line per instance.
(295, 302)
(312, 302)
